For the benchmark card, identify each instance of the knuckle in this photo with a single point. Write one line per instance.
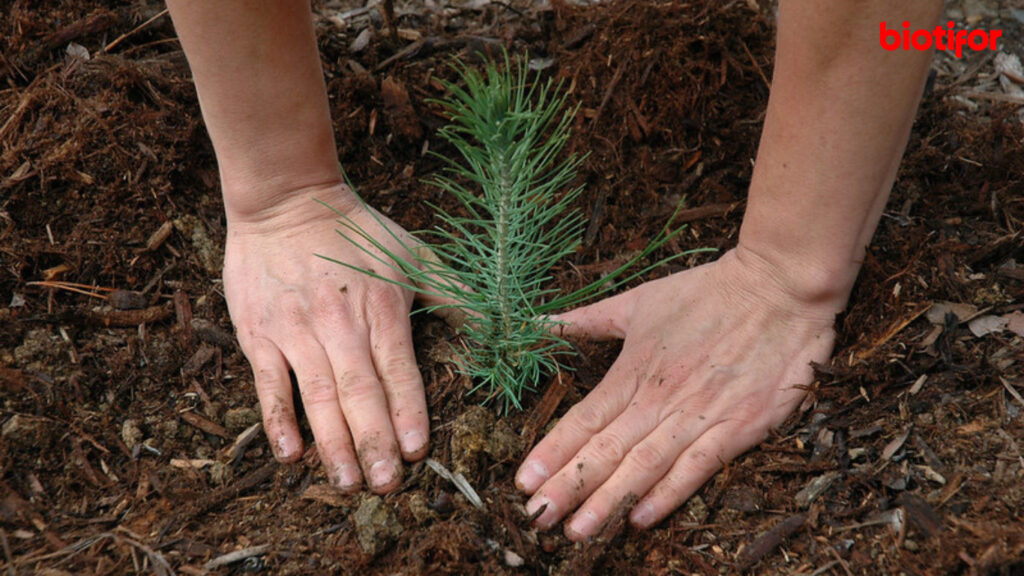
(317, 390)
(586, 416)
(268, 382)
(384, 299)
(608, 447)
(401, 371)
(355, 386)
(647, 456)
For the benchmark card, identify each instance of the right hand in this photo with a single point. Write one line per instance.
(346, 336)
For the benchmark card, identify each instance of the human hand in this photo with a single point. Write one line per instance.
(346, 336)
(713, 357)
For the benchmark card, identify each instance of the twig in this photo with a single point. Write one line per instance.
(846, 567)
(388, 7)
(996, 97)
(757, 66)
(126, 318)
(236, 556)
(616, 78)
(124, 36)
(973, 70)
(895, 329)
(217, 497)
(7, 553)
(769, 541)
(1013, 391)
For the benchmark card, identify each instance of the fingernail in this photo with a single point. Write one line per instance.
(531, 476)
(547, 517)
(643, 515)
(382, 473)
(283, 448)
(413, 442)
(346, 477)
(584, 524)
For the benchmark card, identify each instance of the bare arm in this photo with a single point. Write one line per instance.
(715, 356)
(261, 89)
(839, 115)
(344, 336)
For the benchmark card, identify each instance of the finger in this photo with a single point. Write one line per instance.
(691, 470)
(580, 423)
(603, 320)
(645, 464)
(362, 399)
(320, 399)
(274, 389)
(592, 465)
(395, 361)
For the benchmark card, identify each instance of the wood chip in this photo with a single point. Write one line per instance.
(159, 236)
(193, 463)
(920, 514)
(918, 384)
(1013, 391)
(895, 444)
(326, 495)
(937, 313)
(541, 414)
(1015, 322)
(403, 118)
(204, 424)
(987, 324)
(235, 452)
(815, 488)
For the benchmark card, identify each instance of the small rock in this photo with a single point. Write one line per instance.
(419, 508)
(696, 510)
(513, 560)
(238, 419)
(376, 525)
(130, 433)
(38, 344)
(24, 431)
(743, 498)
(210, 254)
(220, 474)
(470, 439)
(476, 432)
(911, 545)
(211, 333)
(168, 428)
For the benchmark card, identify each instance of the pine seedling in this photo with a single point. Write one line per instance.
(494, 260)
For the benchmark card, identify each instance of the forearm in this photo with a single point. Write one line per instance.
(257, 71)
(838, 119)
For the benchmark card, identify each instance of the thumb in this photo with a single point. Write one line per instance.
(603, 320)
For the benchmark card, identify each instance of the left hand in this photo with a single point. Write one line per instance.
(713, 358)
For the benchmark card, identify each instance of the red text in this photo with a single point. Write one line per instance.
(943, 38)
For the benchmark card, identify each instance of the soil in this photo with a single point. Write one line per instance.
(121, 412)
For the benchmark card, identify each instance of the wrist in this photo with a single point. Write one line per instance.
(285, 206)
(805, 277)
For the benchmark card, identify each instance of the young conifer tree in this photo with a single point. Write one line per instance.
(494, 260)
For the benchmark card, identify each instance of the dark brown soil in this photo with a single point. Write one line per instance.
(906, 458)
